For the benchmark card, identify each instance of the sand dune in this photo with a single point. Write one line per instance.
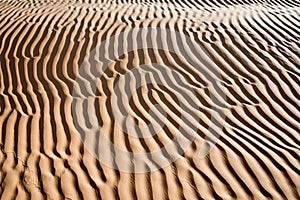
(57, 85)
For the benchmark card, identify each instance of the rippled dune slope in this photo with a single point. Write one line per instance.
(55, 89)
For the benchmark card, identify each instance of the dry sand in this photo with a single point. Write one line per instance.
(255, 46)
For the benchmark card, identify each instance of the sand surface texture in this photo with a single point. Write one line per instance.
(57, 96)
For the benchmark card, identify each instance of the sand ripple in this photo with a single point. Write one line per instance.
(254, 46)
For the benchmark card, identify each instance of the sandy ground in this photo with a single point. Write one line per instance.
(75, 104)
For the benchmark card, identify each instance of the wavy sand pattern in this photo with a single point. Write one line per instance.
(255, 47)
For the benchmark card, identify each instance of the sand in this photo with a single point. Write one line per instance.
(59, 100)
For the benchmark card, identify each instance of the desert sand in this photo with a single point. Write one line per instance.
(57, 94)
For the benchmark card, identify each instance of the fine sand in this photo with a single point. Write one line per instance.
(45, 122)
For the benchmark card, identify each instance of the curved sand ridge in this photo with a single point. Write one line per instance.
(255, 49)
